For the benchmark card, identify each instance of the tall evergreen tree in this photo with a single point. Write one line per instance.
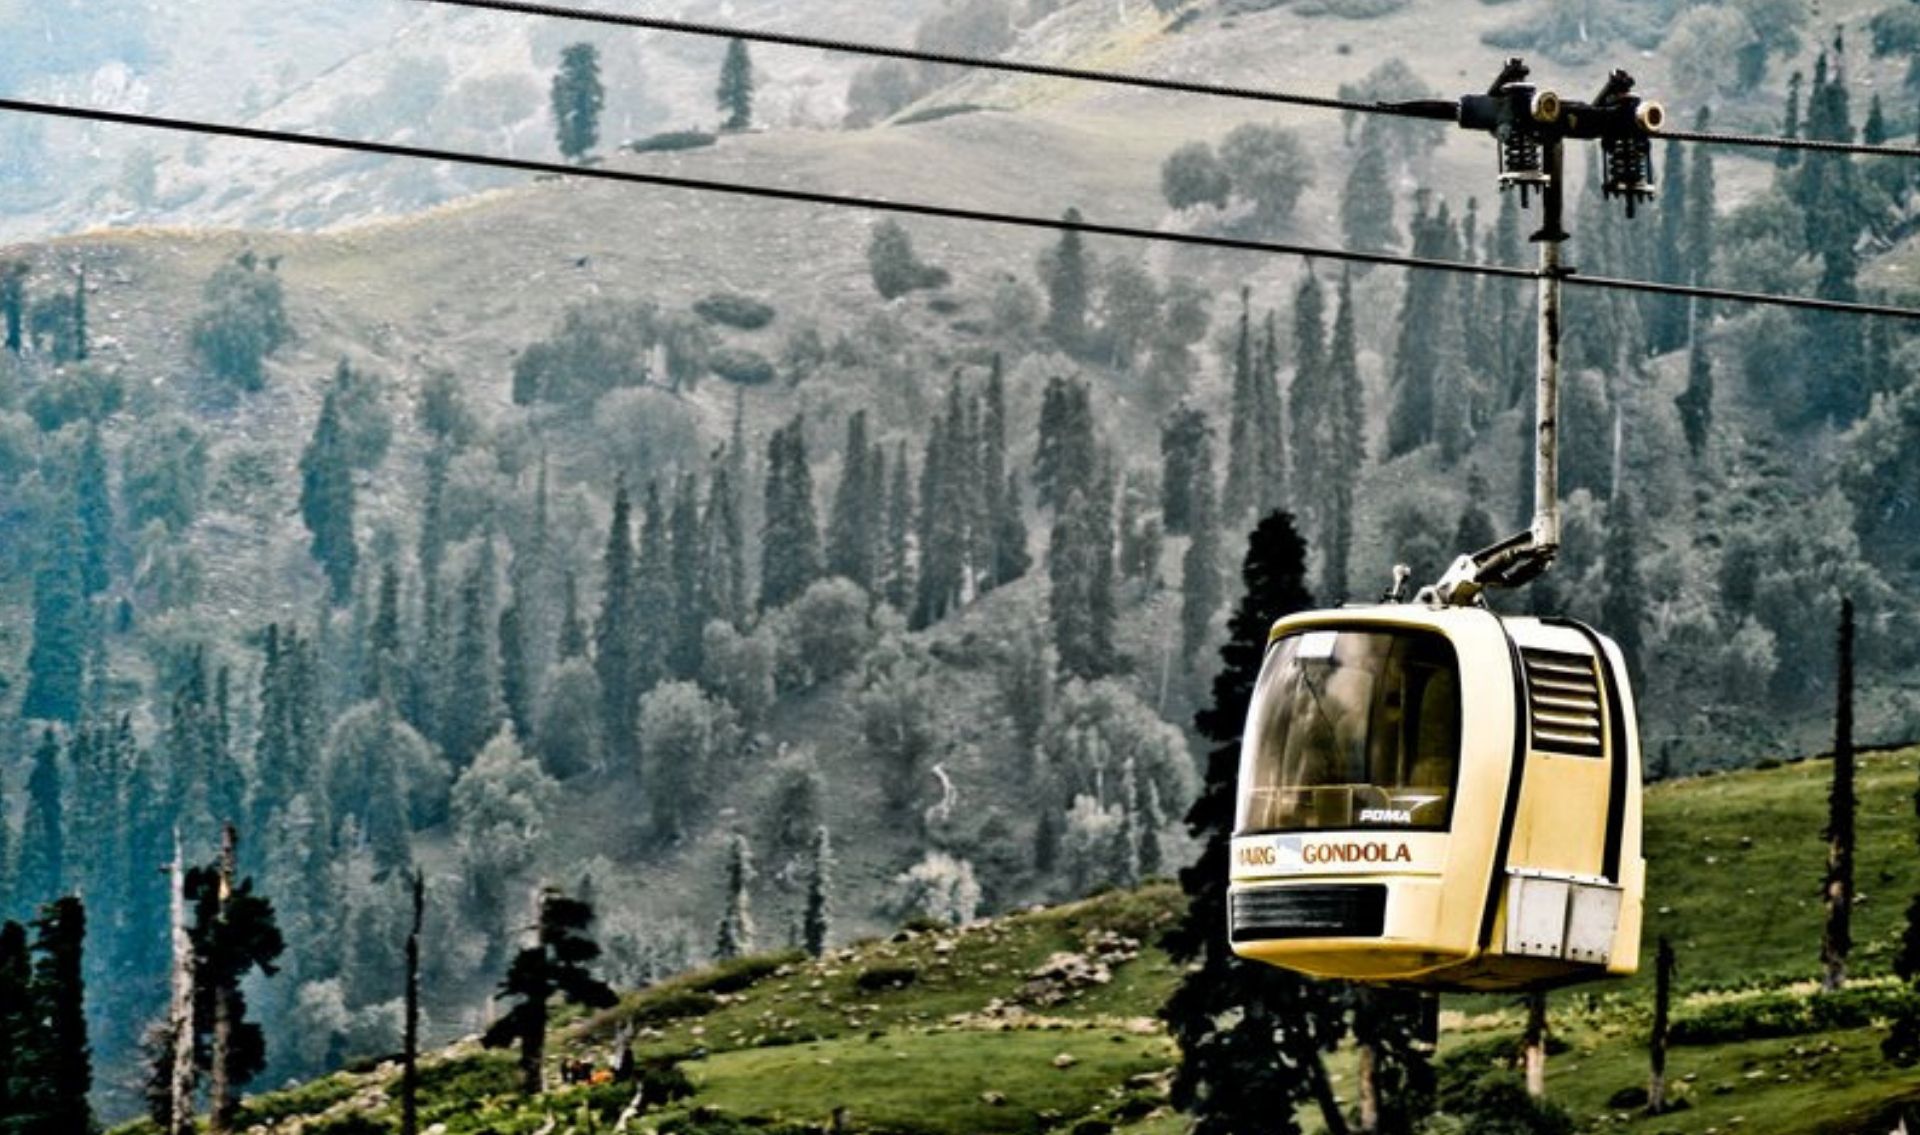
(1366, 207)
(1270, 446)
(56, 663)
(17, 1037)
(516, 670)
(572, 642)
(1416, 356)
(1080, 574)
(994, 477)
(850, 542)
(1836, 938)
(1010, 556)
(1626, 597)
(385, 650)
(1251, 1037)
(577, 98)
(80, 344)
(1312, 420)
(1346, 445)
(472, 709)
(1667, 328)
(556, 964)
(656, 601)
(735, 934)
(13, 300)
(1186, 454)
(234, 933)
(1200, 569)
(94, 504)
(816, 924)
(900, 584)
(1236, 497)
(58, 1071)
(326, 495)
(684, 556)
(790, 534)
(41, 873)
(410, 1024)
(734, 95)
(1787, 157)
(615, 635)
(1067, 276)
(1066, 456)
(723, 567)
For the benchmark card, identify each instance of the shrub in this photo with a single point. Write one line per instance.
(740, 973)
(1895, 30)
(244, 321)
(1788, 1013)
(735, 364)
(874, 979)
(672, 140)
(87, 394)
(734, 310)
(1192, 175)
(675, 1005)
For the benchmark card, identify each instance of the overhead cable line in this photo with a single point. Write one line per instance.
(1422, 108)
(918, 208)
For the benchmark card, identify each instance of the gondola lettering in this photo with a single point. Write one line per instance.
(1375, 852)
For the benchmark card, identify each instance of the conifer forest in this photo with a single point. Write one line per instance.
(574, 603)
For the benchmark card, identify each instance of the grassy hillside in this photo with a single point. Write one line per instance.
(950, 1031)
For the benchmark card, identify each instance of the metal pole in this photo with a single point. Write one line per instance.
(1546, 394)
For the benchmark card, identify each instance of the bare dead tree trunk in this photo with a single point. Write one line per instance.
(1836, 939)
(221, 1101)
(410, 1052)
(1657, 1045)
(1367, 1089)
(180, 1011)
(1536, 1045)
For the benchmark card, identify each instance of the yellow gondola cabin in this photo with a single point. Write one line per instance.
(1439, 796)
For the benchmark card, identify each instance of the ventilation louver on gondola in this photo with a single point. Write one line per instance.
(1563, 697)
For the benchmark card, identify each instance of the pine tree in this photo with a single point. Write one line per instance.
(577, 97)
(516, 670)
(80, 346)
(17, 1036)
(656, 596)
(56, 663)
(326, 497)
(1366, 206)
(1080, 577)
(41, 873)
(735, 92)
(58, 1069)
(1668, 325)
(1010, 556)
(572, 642)
(1416, 356)
(94, 505)
(998, 494)
(1065, 273)
(1346, 445)
(556, 964)
(817, 922)
(790, 535)
(1236, 498)
(1695, 403)
(1312, 425)
(723, 579)
(1200, 569)
(1270, 446)
(1787, 157)
(234, 932)
(1186, 455)
(735, 934)
(1148, 822)
(471, 712)
(900, 584)
(615, 634)
(1625, 597)
(850, 544)
(385, 654)
(13, 300)
(684, 557)
(1836, 939)
(1251, 1037)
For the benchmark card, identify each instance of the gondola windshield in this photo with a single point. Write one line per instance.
(1352, 729)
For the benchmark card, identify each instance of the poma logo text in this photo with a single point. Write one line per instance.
(1356, 853)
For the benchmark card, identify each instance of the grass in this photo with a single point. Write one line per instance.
(965, 1047)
